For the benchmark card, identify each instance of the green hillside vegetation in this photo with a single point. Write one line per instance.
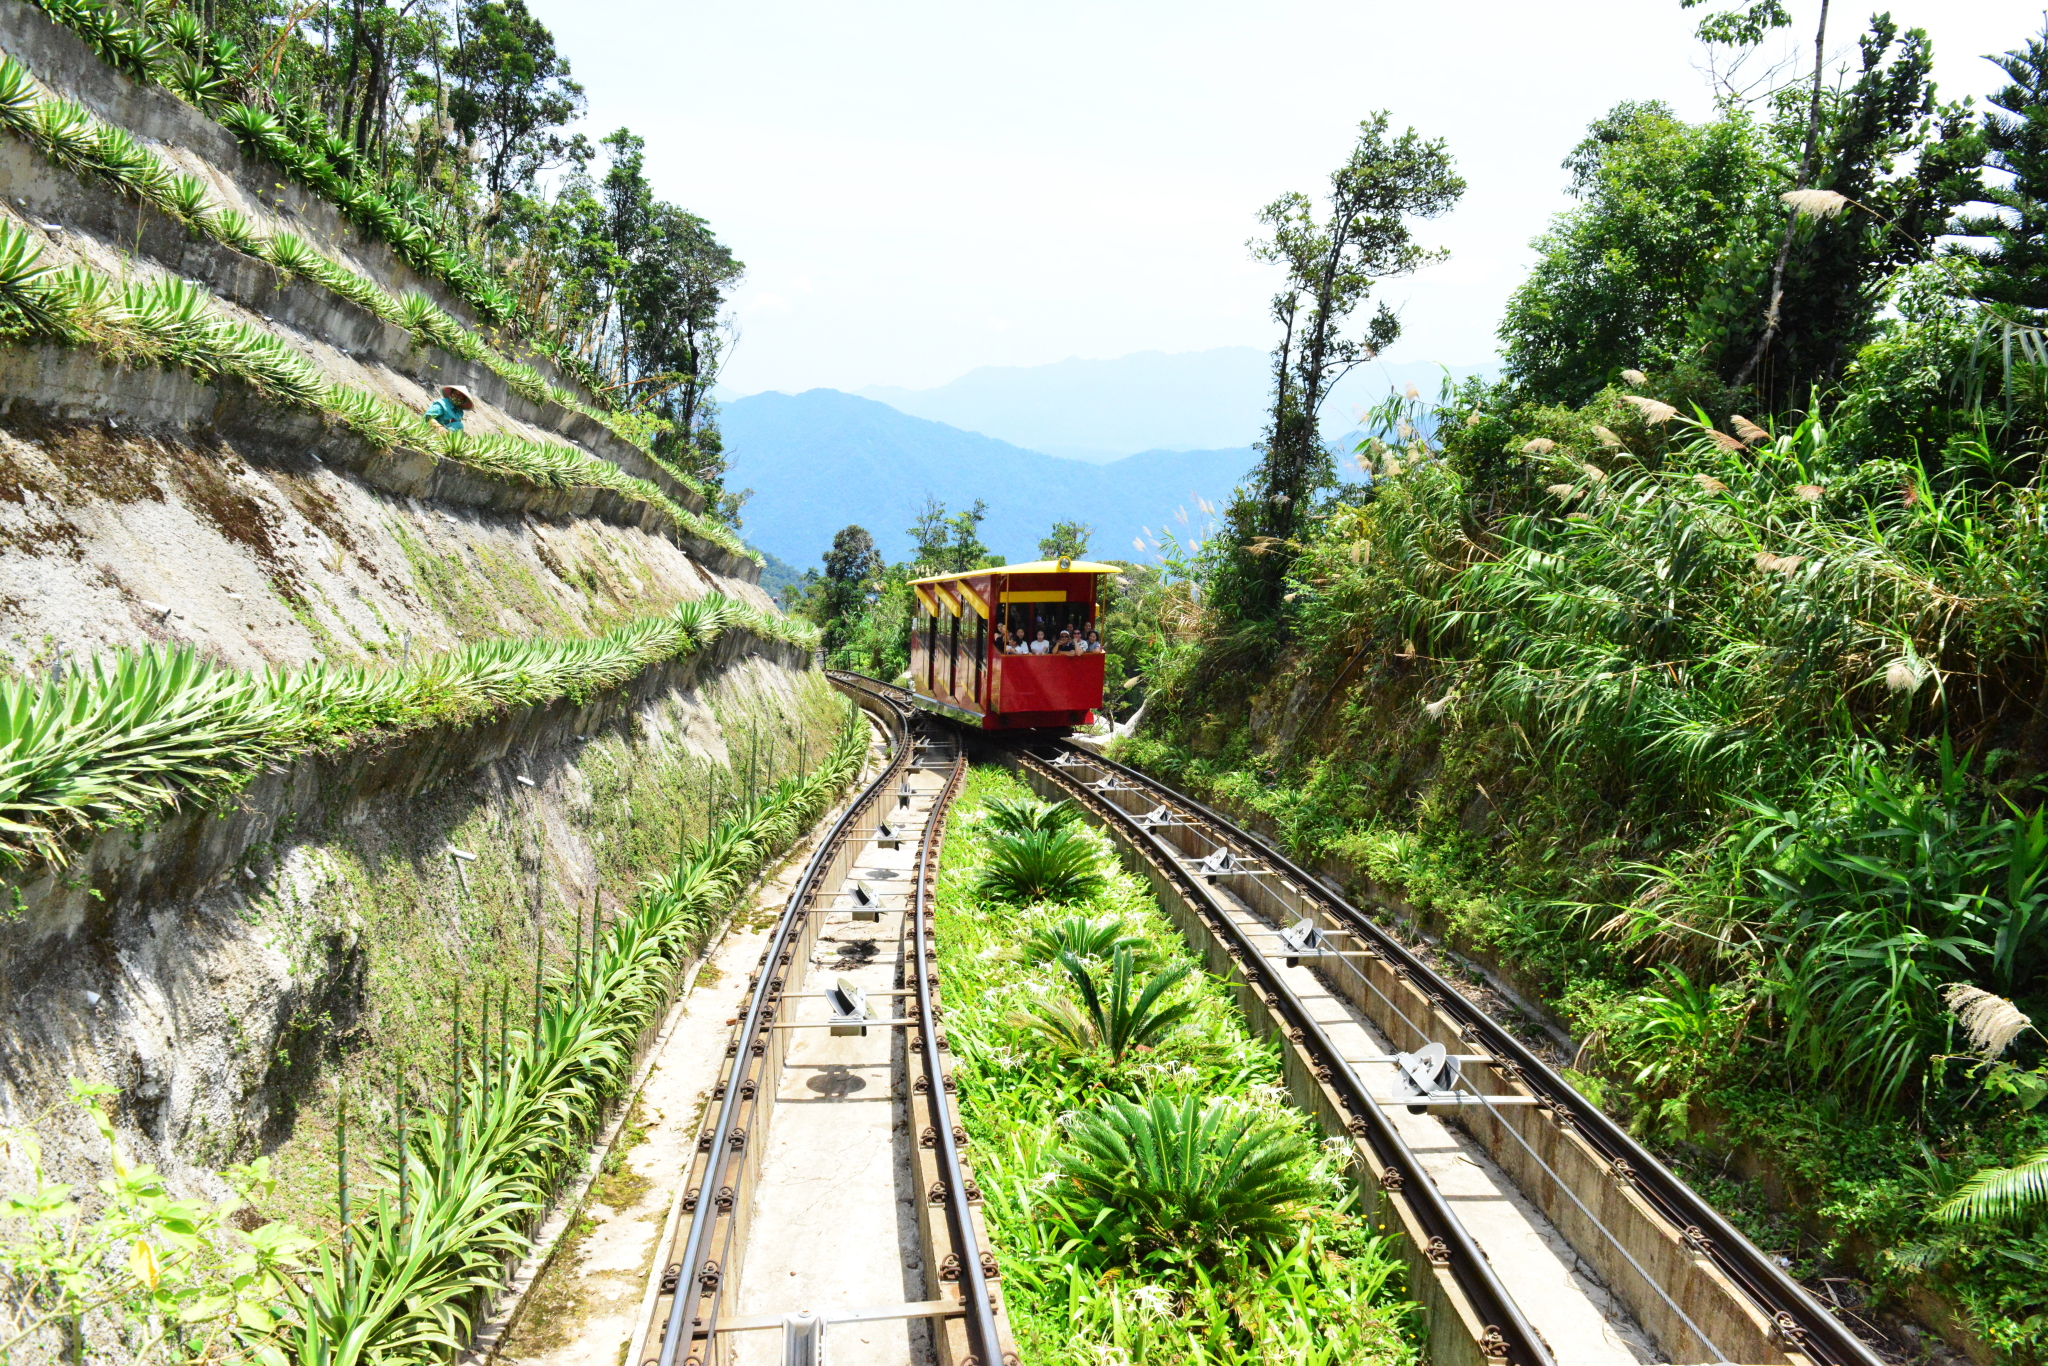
(430, 128)
(1693, 675)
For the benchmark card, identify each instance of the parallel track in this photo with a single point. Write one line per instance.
(695, 1298)
(1793, 1322)
(1802, 1324)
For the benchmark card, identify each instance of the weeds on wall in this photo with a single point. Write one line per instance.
(169, 322)
(465, 1188)
(124, 739)
(72, 138)
(466, 1170)
(1151, 1195)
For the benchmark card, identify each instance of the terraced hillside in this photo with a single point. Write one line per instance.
(332, 745)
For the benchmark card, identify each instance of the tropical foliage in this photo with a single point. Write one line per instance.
(1058, 865)
(131, 735)
(1692, 673)
(1171, 1208)
(465, 1180)
(168, 321)
(428, 128)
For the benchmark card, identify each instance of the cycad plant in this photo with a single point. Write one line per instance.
(1081, 937)
(1042, 865)
(1118, 1017)
(1184, 1177)
(1020, 816)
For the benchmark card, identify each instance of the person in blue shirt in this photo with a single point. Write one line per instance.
(449, 408)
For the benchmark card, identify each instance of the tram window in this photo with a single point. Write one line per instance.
(1027, 619)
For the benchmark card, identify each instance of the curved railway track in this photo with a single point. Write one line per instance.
(1700, 1289)
(887, 837)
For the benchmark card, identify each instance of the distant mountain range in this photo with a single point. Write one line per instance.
(1101, 410)
(821, 460)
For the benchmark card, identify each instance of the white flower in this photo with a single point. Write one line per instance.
(1818, 203)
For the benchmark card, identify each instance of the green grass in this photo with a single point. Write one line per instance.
(1101, 1255)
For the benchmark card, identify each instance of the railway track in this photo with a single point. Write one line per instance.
(1326, 976)
(809, 1214)
(1702, 1290)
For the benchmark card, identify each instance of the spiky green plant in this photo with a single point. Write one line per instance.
(1998, 1194)
(29, 305)
(1042, 865)
(187, 198)
(1118, 1016)
(1019, 815)
(1076, 935)
(65, 133)
(127, 737)
(1185, 1176)
(18, 95)
(290, 253)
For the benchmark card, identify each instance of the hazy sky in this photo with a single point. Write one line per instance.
(922, 188)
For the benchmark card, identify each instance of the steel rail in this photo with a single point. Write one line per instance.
(704, 1219)
(1799, 1318)
(1508, 1332)
(983, 1339)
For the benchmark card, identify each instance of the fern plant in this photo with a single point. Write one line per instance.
(1041, 865)
(1184, 1176)
(1997, 1194)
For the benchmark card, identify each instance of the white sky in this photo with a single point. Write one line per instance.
(922, 188)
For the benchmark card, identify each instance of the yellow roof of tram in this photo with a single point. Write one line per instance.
(1034, 567)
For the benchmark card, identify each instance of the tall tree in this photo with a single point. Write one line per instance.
(1331, 266)
(851, 568)
(2016, 266)
(514, 93)
(1663, 207)
(948, 543)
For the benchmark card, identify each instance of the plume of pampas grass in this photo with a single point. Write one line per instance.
(1903, 676)
(1594, 473)
(1564, 491)
(1749, 431)
(1577, 517)
(1605, 437)
(1635, 377)
(1724, 441)
(1538, 445)
(1413, 392)
(1436, 709)
(1709, 483)
(1472, 419)
(1991, 1021)
(1654, 413)
(1811, 493)
(1777, 564)
(1816, 203)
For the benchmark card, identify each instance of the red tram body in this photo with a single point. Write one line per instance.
(958, 669)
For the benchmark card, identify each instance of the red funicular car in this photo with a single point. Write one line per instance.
(959, 665)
